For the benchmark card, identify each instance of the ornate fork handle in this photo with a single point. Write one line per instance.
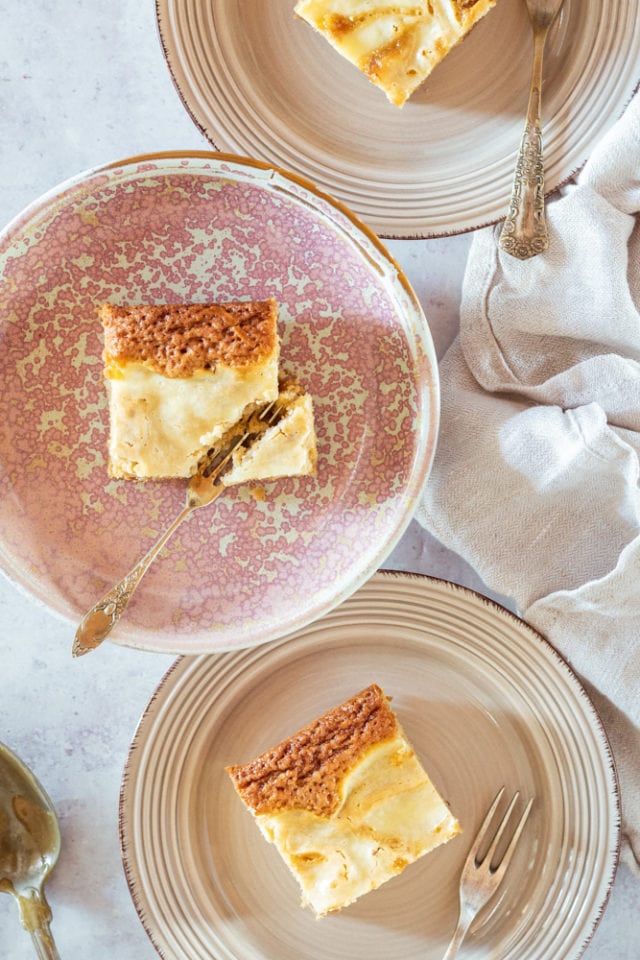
(98, 622)
(524, 233)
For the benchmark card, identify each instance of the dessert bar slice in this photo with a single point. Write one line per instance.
(286, 447)
(346, 802)
(396, 45)
(179, 376)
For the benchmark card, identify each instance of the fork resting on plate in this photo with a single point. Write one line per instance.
(483, 872)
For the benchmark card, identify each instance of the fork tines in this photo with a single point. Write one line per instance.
(490, 857)
(217, 459)
(483, 872)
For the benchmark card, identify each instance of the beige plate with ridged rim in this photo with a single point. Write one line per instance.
(485, 702)
(258, 81)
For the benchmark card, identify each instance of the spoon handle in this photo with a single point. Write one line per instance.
(43, 942)
(35, 915)
(99, 621)
(524, 233)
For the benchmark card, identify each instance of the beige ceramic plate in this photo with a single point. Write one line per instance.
(485, 702)
(260, 82)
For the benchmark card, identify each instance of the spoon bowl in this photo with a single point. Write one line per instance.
(29, 848)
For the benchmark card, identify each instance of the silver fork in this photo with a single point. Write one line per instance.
(482, 874)
(202, 489)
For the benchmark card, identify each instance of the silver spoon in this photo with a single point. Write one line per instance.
(524, 233)
(29, 848)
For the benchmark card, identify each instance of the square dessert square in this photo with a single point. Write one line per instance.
(179, 376)
(395, 45)
(346, 802)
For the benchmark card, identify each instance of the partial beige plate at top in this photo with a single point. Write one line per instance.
(484, 700)
(260, 82)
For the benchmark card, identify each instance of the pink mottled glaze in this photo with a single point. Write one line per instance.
(174, 228)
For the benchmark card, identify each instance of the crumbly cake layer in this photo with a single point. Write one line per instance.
(395, 45)
(346, 802)
(178, 340)
(305, 770)
(179, 376)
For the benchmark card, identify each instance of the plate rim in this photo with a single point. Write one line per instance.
(595, 722)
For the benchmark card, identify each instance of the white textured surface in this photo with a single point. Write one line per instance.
(80, 86)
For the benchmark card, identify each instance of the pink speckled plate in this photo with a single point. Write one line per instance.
(176, 228)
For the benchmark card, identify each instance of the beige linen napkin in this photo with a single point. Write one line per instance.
(535, 480)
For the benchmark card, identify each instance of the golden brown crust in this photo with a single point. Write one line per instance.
(304, 771)
(177, 340)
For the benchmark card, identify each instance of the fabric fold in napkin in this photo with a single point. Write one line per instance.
(535, 481)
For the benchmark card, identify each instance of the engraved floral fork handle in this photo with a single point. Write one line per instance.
(97, 623)
(524, 233)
